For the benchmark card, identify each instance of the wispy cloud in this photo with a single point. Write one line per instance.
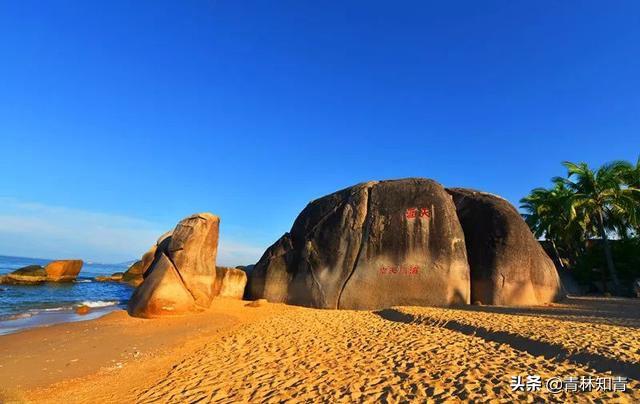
(32, 229)
(38, 230)
(232, 253)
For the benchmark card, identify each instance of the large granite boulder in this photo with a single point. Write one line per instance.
(230, 282)
(508, 265)
(182, 275)
(63, 270)
(370, 246)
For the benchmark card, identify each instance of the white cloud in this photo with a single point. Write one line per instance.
(37, 230)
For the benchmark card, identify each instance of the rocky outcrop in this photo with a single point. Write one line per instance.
(405, 242)
(182, 275)
(373, 245)
(508, 265)
(30, 275)
(230, 282)
(55, 271)
(82, 310)
(115, 277)
(135, 274)
(63, 270)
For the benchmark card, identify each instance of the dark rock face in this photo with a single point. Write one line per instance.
(370, 246)
(246, 268)
(508, 265)
(271, 276)
(31, 274)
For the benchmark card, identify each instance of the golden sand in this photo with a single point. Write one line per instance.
(275, 353)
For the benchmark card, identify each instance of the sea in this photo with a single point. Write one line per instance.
(28, 306)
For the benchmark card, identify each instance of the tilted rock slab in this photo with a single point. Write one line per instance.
(508, 265)
(63, 270)
(182, 276)
(370, 246)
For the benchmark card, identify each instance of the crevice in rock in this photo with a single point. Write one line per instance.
(323, 303)
(309, 236)
(325, 217)
(365, 236)
(181, 278)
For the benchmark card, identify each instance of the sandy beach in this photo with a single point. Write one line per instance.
(319, 202)
(275, 353)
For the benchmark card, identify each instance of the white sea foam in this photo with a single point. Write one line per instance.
(15, 316)
(99, 303)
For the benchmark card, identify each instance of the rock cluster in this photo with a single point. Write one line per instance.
(55, 271)
(405, 242)
(182, 276)
(134, 275)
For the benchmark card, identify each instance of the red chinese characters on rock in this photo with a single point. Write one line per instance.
(399, 270)
(412, 213)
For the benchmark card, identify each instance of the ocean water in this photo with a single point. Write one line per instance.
(26, 306)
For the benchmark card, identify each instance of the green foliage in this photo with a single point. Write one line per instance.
(588, 205)
(589, 266)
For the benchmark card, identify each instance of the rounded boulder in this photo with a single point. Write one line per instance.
(370, 246)
(508, 265)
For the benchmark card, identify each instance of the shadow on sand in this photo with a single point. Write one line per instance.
(549, 351)
(623, 312)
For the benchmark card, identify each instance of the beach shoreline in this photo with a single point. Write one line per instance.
(46, 358)
(26, 321)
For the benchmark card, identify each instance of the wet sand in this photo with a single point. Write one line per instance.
(48, 318)
(275, 353)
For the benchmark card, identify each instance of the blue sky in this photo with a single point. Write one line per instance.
(119, 118)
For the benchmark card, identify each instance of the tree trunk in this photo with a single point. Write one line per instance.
(555, 251)
(608, 255)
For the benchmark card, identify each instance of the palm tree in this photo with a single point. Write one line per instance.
(546, 213)
(631, 176)
(598, 196)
